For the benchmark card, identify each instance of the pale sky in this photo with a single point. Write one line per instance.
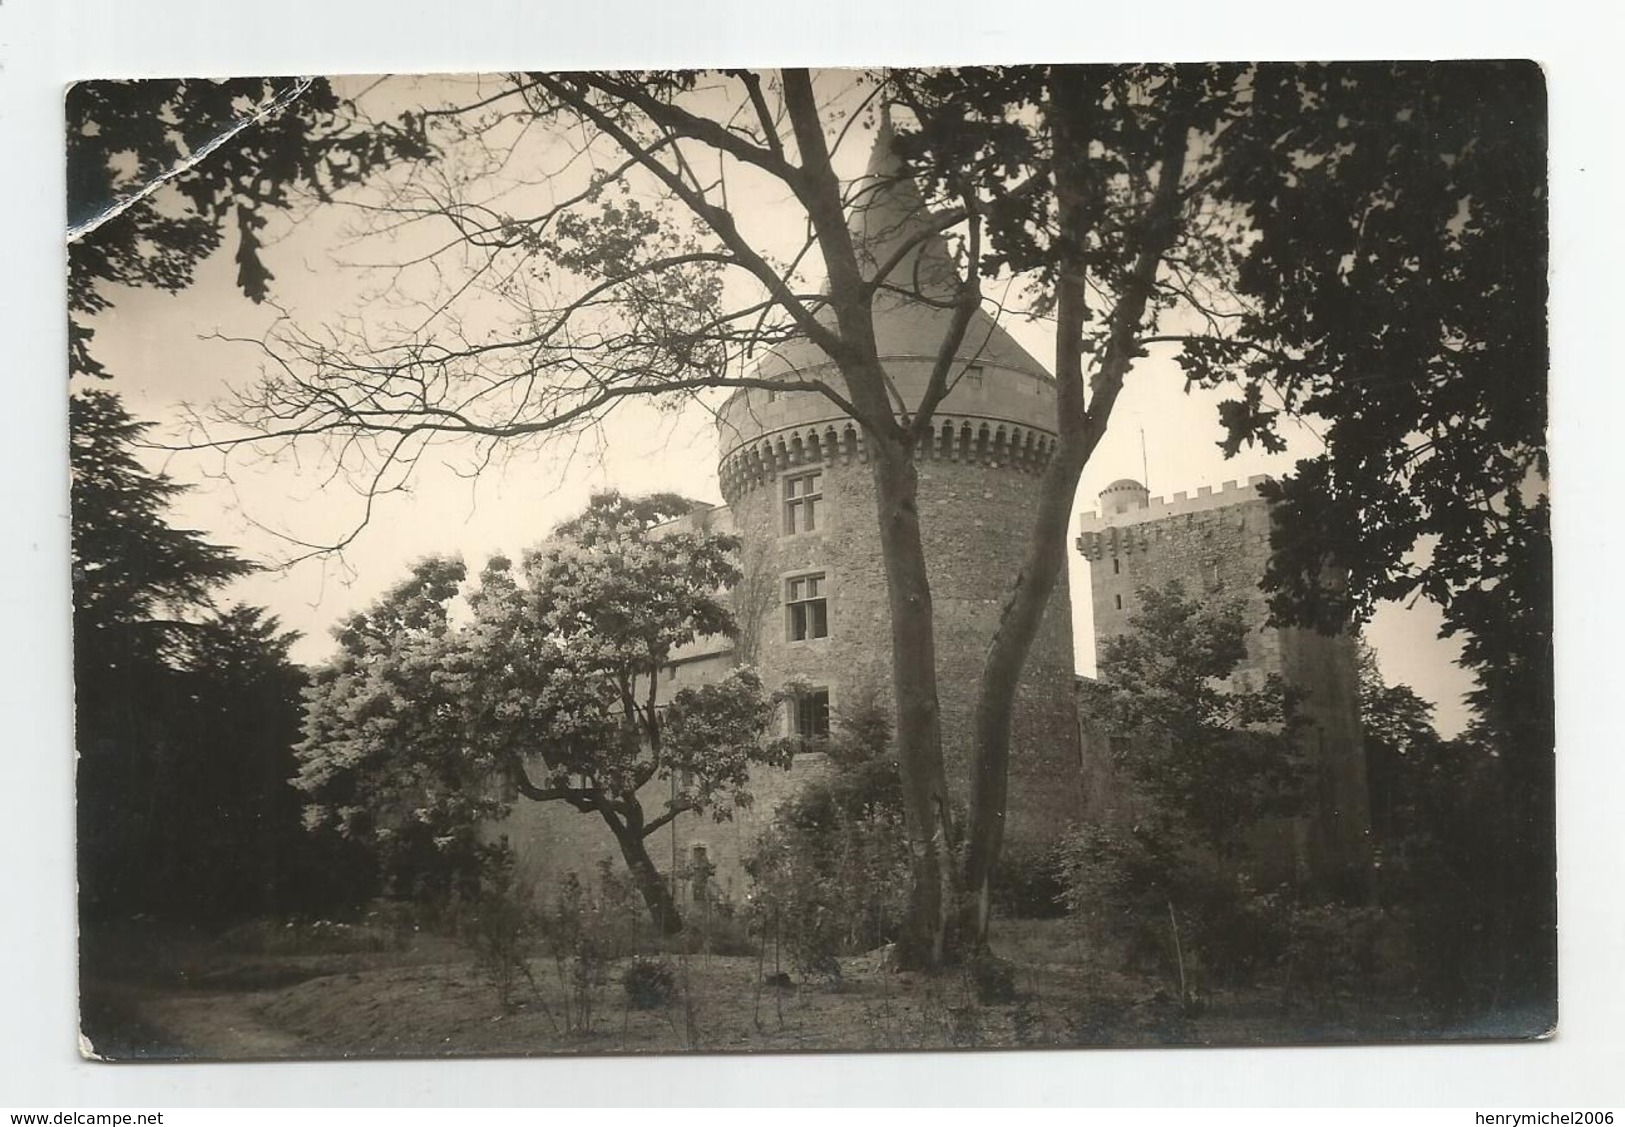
(160, 350)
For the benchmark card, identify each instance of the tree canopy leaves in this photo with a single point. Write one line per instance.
(1395, 288)
(124, 135)
(1210, 757)
(547, 684)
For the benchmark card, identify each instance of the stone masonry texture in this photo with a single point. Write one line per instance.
(1217, 545)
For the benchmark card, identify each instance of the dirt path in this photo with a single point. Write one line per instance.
(219, 1026)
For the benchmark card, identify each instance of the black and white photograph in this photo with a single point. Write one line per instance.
(1019, 557)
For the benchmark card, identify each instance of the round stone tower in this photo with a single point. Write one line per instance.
(813, 602)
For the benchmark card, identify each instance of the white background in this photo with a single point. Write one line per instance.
(43, 46)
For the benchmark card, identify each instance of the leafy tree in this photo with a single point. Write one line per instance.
(1395, 286)
(1209, 759)
(139, 587)
(551, 688)
(134, 575)
(271, 138)
(1207, 762)
(185, 714)
(1398, 731)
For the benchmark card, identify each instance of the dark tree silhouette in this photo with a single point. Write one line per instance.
(185, 715)
(230, 151)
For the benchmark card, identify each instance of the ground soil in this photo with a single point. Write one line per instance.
(428, 998)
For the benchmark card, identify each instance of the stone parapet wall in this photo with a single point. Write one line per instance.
(1205, 500)
(991, 442)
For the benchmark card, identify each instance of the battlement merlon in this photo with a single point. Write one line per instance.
(1207, 498)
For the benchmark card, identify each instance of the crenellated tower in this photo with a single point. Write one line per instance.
(1216, 545)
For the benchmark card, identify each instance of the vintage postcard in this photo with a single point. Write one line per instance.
(775, 560)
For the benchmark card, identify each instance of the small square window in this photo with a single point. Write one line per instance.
(808, 608)
(973, 375)
(803, 497)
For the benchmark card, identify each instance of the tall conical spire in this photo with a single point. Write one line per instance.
(888, 211)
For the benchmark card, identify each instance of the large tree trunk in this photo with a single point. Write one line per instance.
(1001, 674)
(927, 941)
(656, 891)
(1079, 428)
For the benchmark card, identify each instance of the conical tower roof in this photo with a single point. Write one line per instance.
(887, 213)
(912, 316)
(994, 378)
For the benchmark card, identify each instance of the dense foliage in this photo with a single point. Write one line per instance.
(830, 875)
(1208, 765)
(427, 725)
(1209, 758)
(185, 714)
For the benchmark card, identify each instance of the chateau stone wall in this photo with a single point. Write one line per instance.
(551, 839)
(973, 549)
(1217, 545)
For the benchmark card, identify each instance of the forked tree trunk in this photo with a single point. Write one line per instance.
(1079, 428)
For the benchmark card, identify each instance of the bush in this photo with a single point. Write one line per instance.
(501, 926)
(1028, 884)
(582, 936)
(718, 926)
(1331, 955)
(1192, 915)
(831, 876)
(650, 984)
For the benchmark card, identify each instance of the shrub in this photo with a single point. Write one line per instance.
(501, 926)
(582, 939)
(719, 927)
(829, 883)
(1192, 915)
(1331, 955)
(831, 876)
(650, 984)
(1028, 884)
(992, 979)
